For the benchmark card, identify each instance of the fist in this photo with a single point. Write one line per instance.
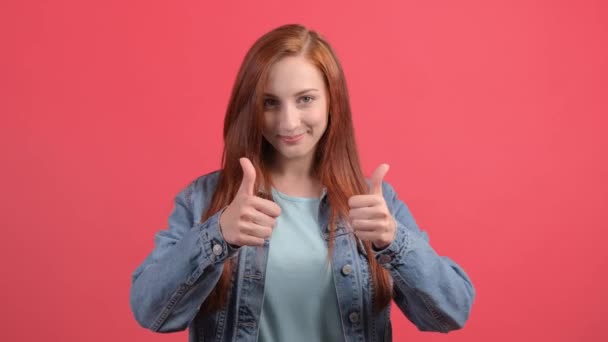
(249, 219)
(369, 216)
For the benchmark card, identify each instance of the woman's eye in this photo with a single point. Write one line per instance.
(269, 103)
(307, 99)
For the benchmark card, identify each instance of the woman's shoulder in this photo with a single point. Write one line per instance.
(205, 183)
(196, 194)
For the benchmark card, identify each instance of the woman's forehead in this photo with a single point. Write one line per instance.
(291, 76)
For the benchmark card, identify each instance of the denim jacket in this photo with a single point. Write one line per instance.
(170, 285)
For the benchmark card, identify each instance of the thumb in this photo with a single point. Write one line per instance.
(375, 186)
(248, 181)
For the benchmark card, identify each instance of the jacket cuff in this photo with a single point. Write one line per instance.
(392, 254)
(214, 247)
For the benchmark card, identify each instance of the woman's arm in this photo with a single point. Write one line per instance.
(431, 290)
(170, 285)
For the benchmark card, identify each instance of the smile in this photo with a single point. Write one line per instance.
(291, 139)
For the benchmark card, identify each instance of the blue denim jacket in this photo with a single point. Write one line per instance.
(170, 285)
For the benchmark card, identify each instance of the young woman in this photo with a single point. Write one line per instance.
(289, 241)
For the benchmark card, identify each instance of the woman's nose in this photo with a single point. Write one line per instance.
(289, 118)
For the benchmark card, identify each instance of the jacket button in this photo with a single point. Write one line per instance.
(217, 249)
(353, 317)
(347, 269)
(384, 259)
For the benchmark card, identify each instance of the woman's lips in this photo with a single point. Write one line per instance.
(291, 139)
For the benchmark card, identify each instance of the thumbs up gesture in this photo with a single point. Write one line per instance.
(369, 216)
(249, 219)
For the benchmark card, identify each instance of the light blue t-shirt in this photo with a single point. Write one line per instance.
(300, 302)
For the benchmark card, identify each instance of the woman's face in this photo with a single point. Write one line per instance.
(295, 108)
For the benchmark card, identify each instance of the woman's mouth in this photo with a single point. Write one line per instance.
(291, 139)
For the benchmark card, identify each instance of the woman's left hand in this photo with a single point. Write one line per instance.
(369, 216)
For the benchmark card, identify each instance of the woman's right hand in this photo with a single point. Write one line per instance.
(249, 219)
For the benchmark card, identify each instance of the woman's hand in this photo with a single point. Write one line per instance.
(369, 216)
(249, 219)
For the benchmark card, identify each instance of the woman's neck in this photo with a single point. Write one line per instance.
(300, 168)
(298, 187)
(296, 178)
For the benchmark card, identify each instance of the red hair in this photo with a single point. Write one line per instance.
(336, 161)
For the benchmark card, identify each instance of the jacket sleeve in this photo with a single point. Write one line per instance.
(432, 291)
(168, 288)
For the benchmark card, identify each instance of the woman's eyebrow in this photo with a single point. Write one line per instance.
(296, 94)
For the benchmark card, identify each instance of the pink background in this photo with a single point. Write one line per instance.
(492, 115)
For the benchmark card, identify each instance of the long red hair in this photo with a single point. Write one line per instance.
(336, 161)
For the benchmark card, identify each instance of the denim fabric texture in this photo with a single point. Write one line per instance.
(170, 285)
